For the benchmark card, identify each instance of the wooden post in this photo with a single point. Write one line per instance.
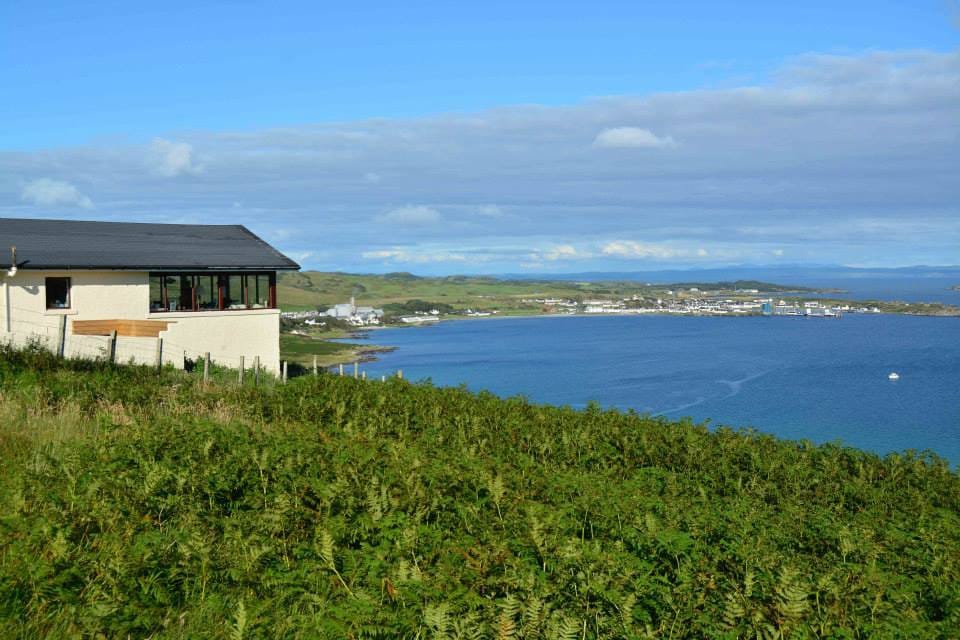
(356, 369)
(400, 373)
(158, 357)
(363, 375)
(314, 365)
(61, 336)
(112, 347)
(383, 378)
(284, 372)
(256, 370)
(341, 369)
(240, 374)
(206, 367)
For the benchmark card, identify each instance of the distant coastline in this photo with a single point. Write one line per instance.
(361, 353)
(368, 301)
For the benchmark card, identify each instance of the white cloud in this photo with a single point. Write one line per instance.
(632, 249)
(413, 256)
(559, 252)
(49, 192)
(777, 252)
(170, 159)
(412, 215)
(490, 210)
(371, 177)
(631, 138)
(303, 256)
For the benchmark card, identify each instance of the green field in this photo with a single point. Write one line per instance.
(301, 350)
(138, 505)
(312, 289)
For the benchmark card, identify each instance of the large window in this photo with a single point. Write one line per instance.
(212, 291)
(58, 293)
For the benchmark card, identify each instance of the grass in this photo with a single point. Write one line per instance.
(312, 289)
(301, 349)
(141, 505)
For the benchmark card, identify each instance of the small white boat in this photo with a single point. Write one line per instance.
(893, 376)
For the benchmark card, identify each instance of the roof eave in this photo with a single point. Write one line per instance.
(65, 267)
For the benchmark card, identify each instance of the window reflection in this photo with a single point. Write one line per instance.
(211, 291)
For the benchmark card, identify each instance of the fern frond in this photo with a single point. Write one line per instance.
(564, 629)
(239, 626)
(325, 548)
(437, 619)
(506, 627)
(792, 602)
(626, 611)
(506, 623)
(532, 617)
(469, 627)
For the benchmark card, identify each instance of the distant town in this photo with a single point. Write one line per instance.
(692, 302)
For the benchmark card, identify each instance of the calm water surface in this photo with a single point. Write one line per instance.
(819, 379)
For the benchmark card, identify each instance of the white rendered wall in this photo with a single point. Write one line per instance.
(226, 335)
(125, 295)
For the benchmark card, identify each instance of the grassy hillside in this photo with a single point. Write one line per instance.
(310, 289)
(137, 505)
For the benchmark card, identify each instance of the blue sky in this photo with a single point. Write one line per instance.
(496, 136)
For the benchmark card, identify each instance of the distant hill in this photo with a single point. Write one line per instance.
(313, 289)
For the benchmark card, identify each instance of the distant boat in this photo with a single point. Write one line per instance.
(894, 376)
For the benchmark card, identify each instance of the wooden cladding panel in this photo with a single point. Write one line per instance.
(127, 328)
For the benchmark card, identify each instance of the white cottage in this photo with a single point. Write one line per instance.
(186, 290)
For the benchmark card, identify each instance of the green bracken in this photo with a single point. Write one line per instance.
(137, 504)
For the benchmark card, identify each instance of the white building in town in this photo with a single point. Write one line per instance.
(173, 290)
(358, 316)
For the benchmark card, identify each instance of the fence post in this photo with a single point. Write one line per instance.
(241, 371)
(400, 373)
(206, 367)
(356, 369)
(159, 354)
(314, 365)
(112, 347)
(363, 375)
(284, 372)
(341, 369)
(61, 336)
(256, 370)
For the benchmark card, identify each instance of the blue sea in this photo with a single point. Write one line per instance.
(800, 378)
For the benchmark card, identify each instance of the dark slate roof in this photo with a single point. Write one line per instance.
(74, 244)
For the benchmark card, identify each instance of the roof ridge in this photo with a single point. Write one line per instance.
(94, 244)
(269, 246)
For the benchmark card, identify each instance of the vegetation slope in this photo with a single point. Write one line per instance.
(134, 504)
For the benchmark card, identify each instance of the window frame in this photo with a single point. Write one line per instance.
(46, 293)
(192, 278)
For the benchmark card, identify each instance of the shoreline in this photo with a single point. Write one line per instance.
(367, 353)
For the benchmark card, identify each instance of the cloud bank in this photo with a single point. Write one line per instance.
(169, 159)
(46, 192)
(631, 138)
(848, 159)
